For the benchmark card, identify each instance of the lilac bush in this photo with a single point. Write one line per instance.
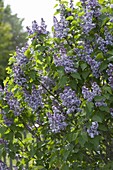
(59, 92)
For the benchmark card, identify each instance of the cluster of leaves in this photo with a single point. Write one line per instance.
(59, 92)
(12, 35)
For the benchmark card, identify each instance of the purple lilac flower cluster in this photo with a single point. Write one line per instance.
(111, 112)
(70, 100)
(56, 120)
(65, 61)
(71, 4)
(13, 103)
(34, 99)
(37, 29)
(110, 74)
(108, 37)
(3, 166)
(92, 9)
(47, 82)
(21, 60)
(93, 130)
(101, 43)
(19, 76)
(100, 103)
(7, 121)
(85, 55)
(60, 27)
(88, 94)
(94, 65)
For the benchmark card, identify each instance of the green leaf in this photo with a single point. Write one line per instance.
(107, 89)
(18, 135)
(97, 118)
(102, 127)
(85, 74)
(104, 108)
(110, 52)
(103, 66)
(76, 75)
(2, 129)
(99, 98)
(105, 21)
(95, 141)
(83, 66)
(63, 81)
(55, 5)
(57, 12)
(90, 106)
(99, 56)
(101, 1)
(82, 140)
(110, 58)
(65, 167)
(69, 18)
(72, 136)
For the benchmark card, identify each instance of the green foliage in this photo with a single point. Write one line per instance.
(39, 121)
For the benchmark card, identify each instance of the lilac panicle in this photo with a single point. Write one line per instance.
(90, 94)
(37, 29)
(110, 74)
(70, 100)
(85, 55)
(92, 131)
(13, 102)
(111, 112)
(34, 99)
(61, 27)
(87, 94)
(3, 166)
(65, 61)
(56, 120)
(91, 9)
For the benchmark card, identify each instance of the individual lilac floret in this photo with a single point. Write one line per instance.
(93, 130)
(100, 103)
(70, 100)
(110, 74)
(56, 120)
(34, 99)
(111, 6)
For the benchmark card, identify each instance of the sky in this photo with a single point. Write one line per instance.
(33, 10)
